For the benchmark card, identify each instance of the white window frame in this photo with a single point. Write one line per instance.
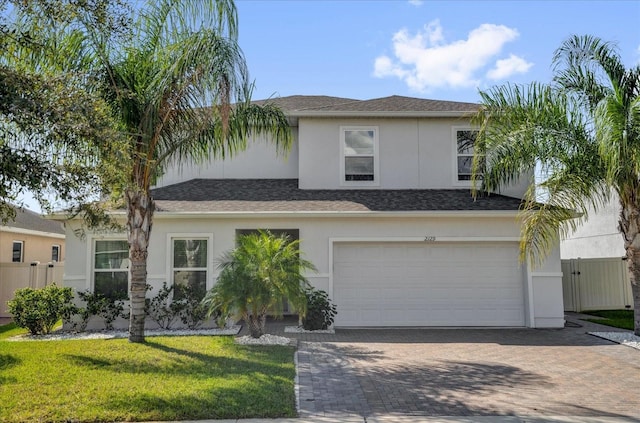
(54, 246)
(21, 243)
(376, 156)
(454, 144)
(186, 236)
(92, 261)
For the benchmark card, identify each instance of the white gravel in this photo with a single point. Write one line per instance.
(300, 329)
(60, 336)
(624, 338)
(265, 339)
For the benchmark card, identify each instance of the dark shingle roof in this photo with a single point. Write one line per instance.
(301, 104)
(283, 195)
(26, 219)
(295, 103)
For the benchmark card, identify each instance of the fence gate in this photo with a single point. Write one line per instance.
(26, 275)
(596, 284)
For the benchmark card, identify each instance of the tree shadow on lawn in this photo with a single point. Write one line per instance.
(7, 361)
(182, 361)
(215, 403)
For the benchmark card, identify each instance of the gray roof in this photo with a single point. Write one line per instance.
(319, 105)
(26, 219)
(283, 195)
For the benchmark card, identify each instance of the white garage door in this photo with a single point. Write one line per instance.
(437, 284)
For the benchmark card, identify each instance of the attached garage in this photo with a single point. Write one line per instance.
(428, 284)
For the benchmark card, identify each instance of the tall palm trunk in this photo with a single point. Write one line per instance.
(630, 227)
(140, 207)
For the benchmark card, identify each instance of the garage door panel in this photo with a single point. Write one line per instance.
(448, 284)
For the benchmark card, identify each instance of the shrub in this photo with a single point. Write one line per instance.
(38, 310)
(320, 310)
(99, 305)
(192, 312)
(161, 309)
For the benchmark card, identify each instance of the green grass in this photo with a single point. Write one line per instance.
(617, 318)
(168, 378)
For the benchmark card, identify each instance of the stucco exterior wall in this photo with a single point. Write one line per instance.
(316, 233)
(35, 247)
(598, 237)
(259, 160)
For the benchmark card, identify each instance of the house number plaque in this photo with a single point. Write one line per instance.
(429, 238)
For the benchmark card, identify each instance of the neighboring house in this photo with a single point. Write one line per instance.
(598, 237)
(595, 273)
(30, 238)
(378, 192)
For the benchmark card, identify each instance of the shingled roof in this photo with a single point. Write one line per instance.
(283, 195)
(26, 219)
(301, 105)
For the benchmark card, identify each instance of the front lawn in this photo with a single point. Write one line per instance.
(617, 318)
(168, 378)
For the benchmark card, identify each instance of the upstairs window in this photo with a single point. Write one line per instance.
(359, 164)
(465, 139)
(111, 268)
(17, 255)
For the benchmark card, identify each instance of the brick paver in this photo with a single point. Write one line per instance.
(467, 372)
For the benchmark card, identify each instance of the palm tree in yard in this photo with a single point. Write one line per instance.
(257, 276)
(171, 88)
(583, 132)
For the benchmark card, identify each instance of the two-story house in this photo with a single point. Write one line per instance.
(378, 192)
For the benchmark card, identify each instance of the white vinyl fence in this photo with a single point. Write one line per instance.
(22, 275)
(596, 284)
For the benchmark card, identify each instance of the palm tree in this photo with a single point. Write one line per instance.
(257, 276)
(583, 133)
(171, 87)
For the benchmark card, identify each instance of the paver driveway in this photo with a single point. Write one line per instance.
(463, 372)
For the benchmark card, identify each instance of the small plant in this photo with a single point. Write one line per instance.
(38, 310)
(99, 305)
(192, 311)
(320, 310)
(161, 309)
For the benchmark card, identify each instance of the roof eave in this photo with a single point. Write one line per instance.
(378, 114)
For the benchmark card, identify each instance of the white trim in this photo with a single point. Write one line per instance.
(91, 257)
(546, 274)
(75, 277)
(422, 239)
(330, 114)
(59, 251)
(454, 149)
(329, 214)
(335, 214)
(376, 156)
(17, 241)
(189, 235)
(31, 232)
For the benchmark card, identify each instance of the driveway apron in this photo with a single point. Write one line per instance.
(467, 372)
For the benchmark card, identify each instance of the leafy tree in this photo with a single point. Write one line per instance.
(257, 276)
(584, 133)
(169, 86)
(52, 127)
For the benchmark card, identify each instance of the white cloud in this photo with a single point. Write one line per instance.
(416, 2)
(504, 68)
(425, 60)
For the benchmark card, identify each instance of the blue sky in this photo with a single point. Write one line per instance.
(444, 50)
(431, 49)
